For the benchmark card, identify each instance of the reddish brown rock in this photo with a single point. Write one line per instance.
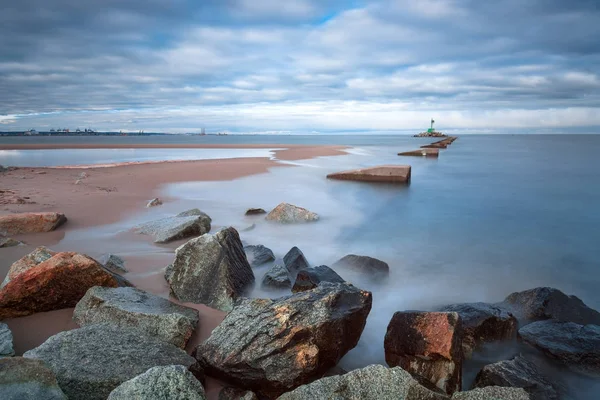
(30, 260)
(290, 214)
(427, 344)
(15, 224)
(58, 282)
(422, 153)
(383, 173)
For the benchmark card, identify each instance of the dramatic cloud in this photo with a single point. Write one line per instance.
(299, 66)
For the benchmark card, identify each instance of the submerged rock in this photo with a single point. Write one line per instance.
(483, 323)
(9, 242)
(310, 278)
(113, 263)
(576, 346)
(154, 202)
(211, 270)
(255, 211)
(23, 378)
(383, 174)
(517, 373)
(272, 346)
(277, 277)
(16, 224)
(58, 282)
(374, 382)
(173, 382)
(92, 361)
(182, 226)
(6, 341)
(372, 268)
(295, 261)
(427, 344)
(258, 255)
(492, 393)
(290, 214)
(549, 303)
(131, 308)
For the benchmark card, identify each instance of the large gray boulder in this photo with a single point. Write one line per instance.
(369, 267)
(549, 303)
(576, 346)
(374, 382)
(492, 393)
(113, 263)
(258, 255)
(6, 341)
(286, 213)
(173, 382)
(517, 373)
(211, 270)
(23, 378)
(132, 308)
(277, 277)
(310, 278)
(483, 323)
(92, 361)
(272, 346)
(182, 226)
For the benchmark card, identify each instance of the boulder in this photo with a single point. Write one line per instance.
(277, 277)
(517, 373)
(92, 361)
(272, 346)
(295, 261)
(286, 213)
(576, 346)
(310, 278)
(383, 173)
(258, 255)
(172, 382)
(23, 378)
(58, 282)
(28, 261)
(182, 226)
(16, 224)
(6, 341)
(113, 263)
(421, 153)
(255, 211)
(483, 323)
(231, 393)
(372, 268)
(211, 270)
(194, 212)
(549, 303)
(492, 393)
(374, 382)
(154, 202)
(131, 308)
(9, 242)
(427, 344)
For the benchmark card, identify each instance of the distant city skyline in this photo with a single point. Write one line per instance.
(301, 66)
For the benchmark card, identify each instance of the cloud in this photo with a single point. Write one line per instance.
(292, 66)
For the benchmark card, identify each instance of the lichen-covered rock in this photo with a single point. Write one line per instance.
(272, 346)
(483, 323)
(23, 378)
(427, 344)
(154, 202)
(231, 393)
(310, 278)
(277, 277)
(211, 270)
(9, 242)
(113, 263)
(58, 282)
(374, 382)
(92, 361)
(173, 382)
(6, 341)
(295, 261)
(517, 373)
(28, 261)
(492, 393)
(549, 303)
(576, 346)
(258, 255)
(286, 213)
(372, 268)
(185, 225)
(132, 308)
(15, 224)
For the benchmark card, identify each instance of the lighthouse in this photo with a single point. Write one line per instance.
(431, 130)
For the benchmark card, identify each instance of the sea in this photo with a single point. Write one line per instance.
(494, 214)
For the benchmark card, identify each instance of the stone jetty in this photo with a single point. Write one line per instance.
(382, 173)
(426, 152)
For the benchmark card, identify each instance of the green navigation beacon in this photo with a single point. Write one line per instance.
(431, 130)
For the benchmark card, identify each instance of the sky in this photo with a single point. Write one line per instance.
(299, 66)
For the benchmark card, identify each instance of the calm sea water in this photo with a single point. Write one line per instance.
(492, 215)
